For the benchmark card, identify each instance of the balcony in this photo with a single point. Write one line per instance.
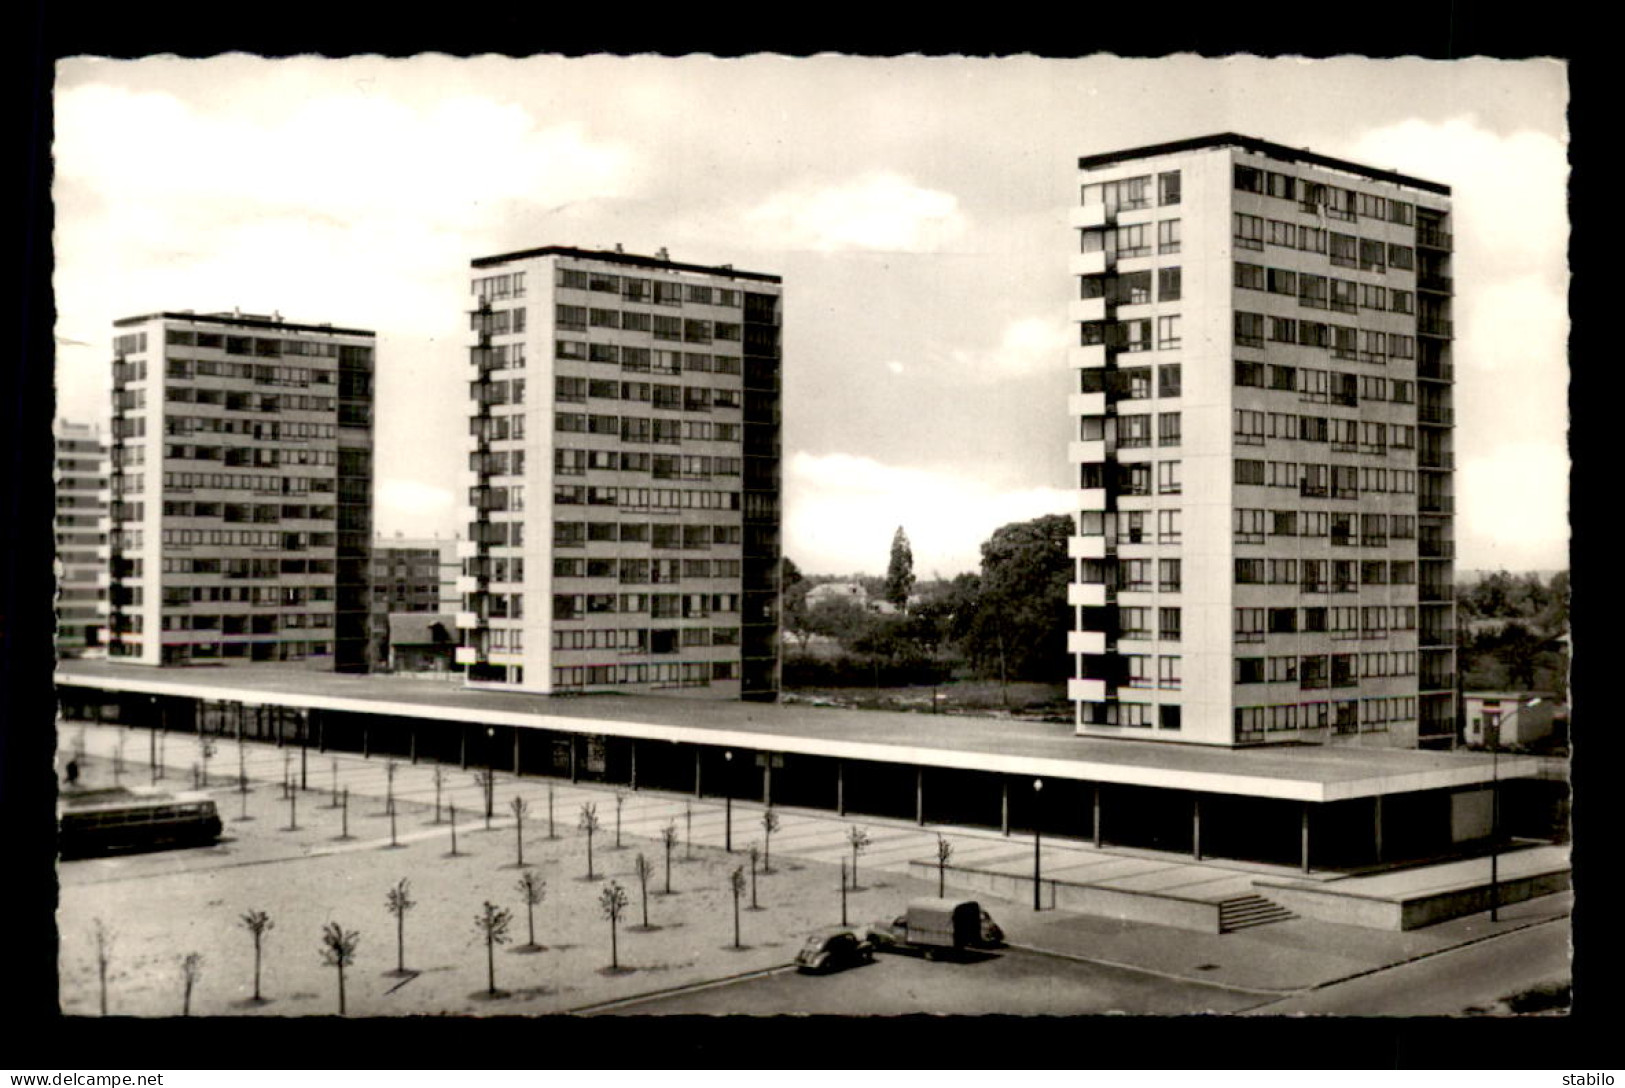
(468, 549)
(1086, 309)
(1086, 216)
(1086, 642)
(1436, 549)
(1431, 594)
(1092, 357)
(1434, 283)
(1086, 691)
(1435, 326)
(1443, 460)
(1435, 370)
(468, 621)
(1428, 237)
(1436, 504)
(1085, 453)
(1089, 498)
(467, 655)
(1086, 547)
(1086, 404)
(1086, 594)
(1436, 414)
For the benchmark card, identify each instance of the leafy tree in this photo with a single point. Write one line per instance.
(859, 838)
(900, 572)
(1022, 618)
(793, 602)
(668, 839)
(338, 951)
(399, 900)
(642, 867)
(532, 889)
(191, 968)
(589, 824)
(520, 808)
(492, 922)
(612, 901)
(945, 850)
(770, 824)
(843, 620)
(258, 924)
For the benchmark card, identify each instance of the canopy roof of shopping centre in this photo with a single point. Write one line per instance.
(1317, 773)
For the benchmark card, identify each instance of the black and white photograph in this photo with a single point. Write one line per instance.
(656, 536)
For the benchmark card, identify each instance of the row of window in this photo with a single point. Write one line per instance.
(1134, 288)
(673, 398)
(248, 538)
(645, 498)
(246, 481)
(1324, 292)
(241, 512)
(175, 653)
(255, 456)
(1289, 669)
(1130, 194)
(1346, 575)
(569, 462)
(1132, 526)
(647, 360)
(1339, 203)
(495, 606)
(497, 322)
(1140, 672)
(660, 326)
(637, 572)
(1135, 335)
(1343, 341)
(638, 289)
(1253, 427)
(261, 430)
(1133, 240)
(1133, 715)
(263, 596)
(233, 401)
(215, 565)
(506, 285)
(658, 606)
(1342, 716)
(1133, 382)
(1312, 481)
(266, 623)
(259, 373)
(686, 674)
(1323, 386)
(1342, 528)
(1342, 250)
(575, 534)
(1362, 621)
(267, 347)
(641, 430)
(1132, 431)
(1133, 478)
(642, 640)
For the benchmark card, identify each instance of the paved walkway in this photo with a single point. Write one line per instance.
(1285, 957)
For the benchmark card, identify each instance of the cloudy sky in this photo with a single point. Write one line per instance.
(915, 208)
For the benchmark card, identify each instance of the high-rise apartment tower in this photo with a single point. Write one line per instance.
(1263, 412)
(242, 491)
(81, 538)
(623, 476)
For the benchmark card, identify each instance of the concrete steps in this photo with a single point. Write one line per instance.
(1246, 911)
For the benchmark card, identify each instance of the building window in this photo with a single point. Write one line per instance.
(1168, 188)
(1168, 234)
(1168, 335)
(1249, 231)
(1168, 478)
(1169, 575)
(1168, 526)
(1249, 276)
(1168, 380)
(1249, 330)
(1168, 284)
(1168, 429)
(1168, 624)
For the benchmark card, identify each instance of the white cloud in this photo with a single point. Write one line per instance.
(1520, 493)
(1029, 345)
(841, 512)
(407, 504)
(880, 211)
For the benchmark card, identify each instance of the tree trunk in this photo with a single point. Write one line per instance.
(400, 942)
(490, 964)
(341, 989)
(256, 967)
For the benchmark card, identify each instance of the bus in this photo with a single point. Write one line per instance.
(131, 818)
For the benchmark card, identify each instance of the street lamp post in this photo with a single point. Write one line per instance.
(728, 803)
(1038, 839)
(490, 772)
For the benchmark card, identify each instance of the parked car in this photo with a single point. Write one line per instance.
(834, 947)
(937, 926)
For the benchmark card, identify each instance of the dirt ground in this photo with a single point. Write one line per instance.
(158, 907)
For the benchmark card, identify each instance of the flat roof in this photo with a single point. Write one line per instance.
(633, 259)
(1298, 772)
(246, 321)
(1262, 147)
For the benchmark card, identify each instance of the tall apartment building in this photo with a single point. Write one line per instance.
(81, 537)
(624, 512)
(242, 491)
(1263, 448)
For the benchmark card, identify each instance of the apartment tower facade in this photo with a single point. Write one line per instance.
(1264, 549)
(81, 538)
(241, 475)
(623, 476)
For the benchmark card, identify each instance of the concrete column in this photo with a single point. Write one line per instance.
(1096, 822)
(366, 751)
(919, 796)
(516, 750)
(321, 730)
(573, 771)
(1376, 824)
(1304, 835)
(412, 741)
(634, 745)
(767, 780)
(462, 747)
(696, 772)
(1004, 805)
(840, 787)
(1196, 828)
